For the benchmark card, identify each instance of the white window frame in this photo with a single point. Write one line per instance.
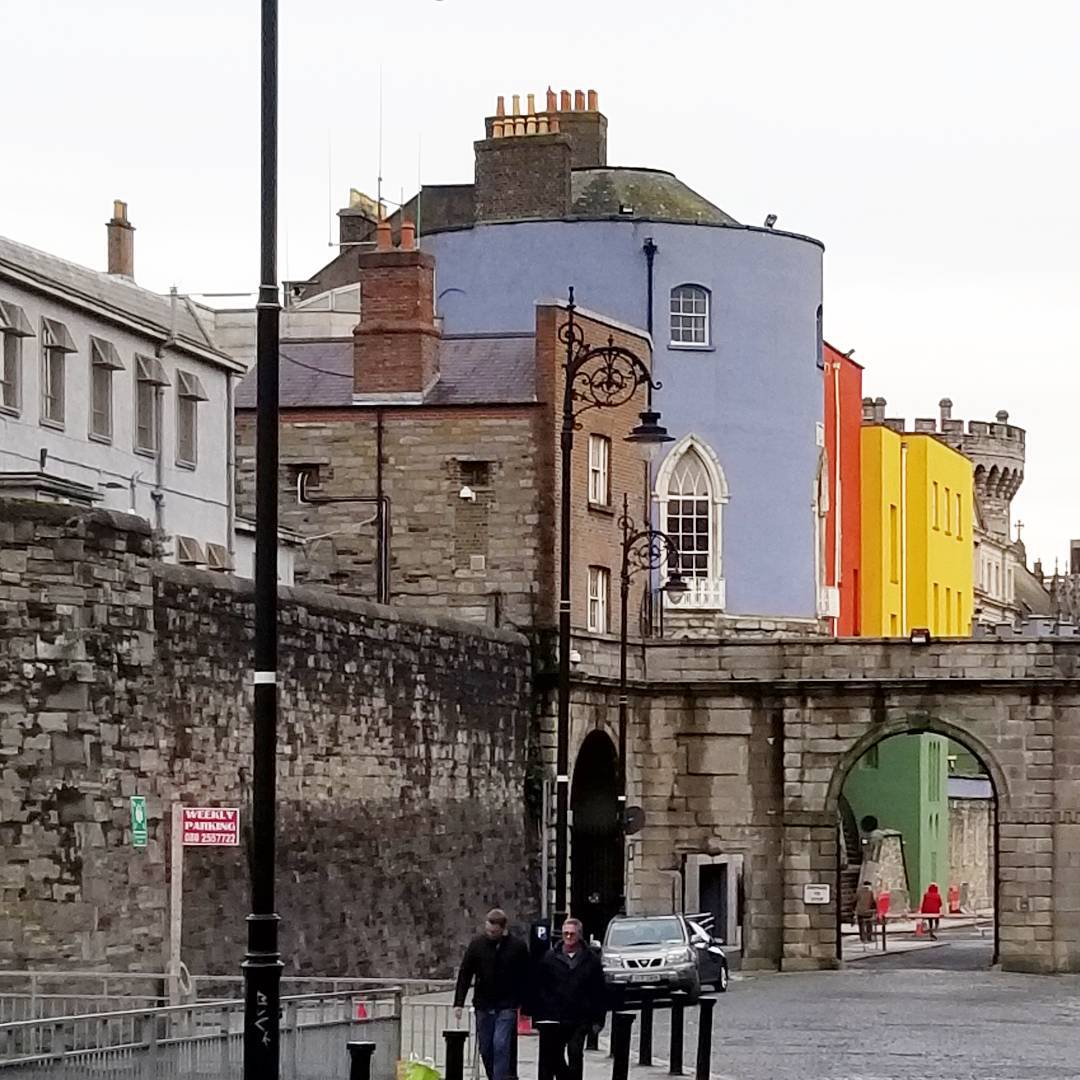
(189, 392)
(104, 360)
(599, 591)
(14, 326)
(56, 343)
(689, 326)
(599, 470)
(149, 378)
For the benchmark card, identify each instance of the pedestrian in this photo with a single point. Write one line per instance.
(931, 908)
(496, 964)
(570, 991)
(865, 910)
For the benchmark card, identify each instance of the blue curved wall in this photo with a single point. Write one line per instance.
(755, 396)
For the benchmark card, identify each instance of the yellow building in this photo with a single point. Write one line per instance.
(917, 550)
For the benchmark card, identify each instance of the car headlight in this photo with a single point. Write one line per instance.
(679, 956)
(612, 962)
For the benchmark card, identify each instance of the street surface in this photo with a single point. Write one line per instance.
(879, 1020)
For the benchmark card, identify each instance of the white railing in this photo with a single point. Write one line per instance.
(702, 594)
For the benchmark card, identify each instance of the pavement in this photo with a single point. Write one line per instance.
(926, 1014)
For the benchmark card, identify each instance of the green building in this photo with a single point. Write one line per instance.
(902, 782)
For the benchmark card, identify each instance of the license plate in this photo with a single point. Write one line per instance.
(641, 978)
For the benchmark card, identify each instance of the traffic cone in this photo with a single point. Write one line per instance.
(524, 1024)
(361, 1011)
(920, 928)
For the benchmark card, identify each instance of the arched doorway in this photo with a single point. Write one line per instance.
(915, 807)
(596, 858)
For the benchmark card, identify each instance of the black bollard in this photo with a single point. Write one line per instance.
(621, 1025)
(513, 1064)
(592, 1039)
(645, 1038)
(360, 1054)
(704, 1038)
(455, 1053)
(548, 1050)
(678, 1007)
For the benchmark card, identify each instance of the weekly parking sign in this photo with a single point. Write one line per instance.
(210, 826)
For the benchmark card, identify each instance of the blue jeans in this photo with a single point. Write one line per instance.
(494, 1032)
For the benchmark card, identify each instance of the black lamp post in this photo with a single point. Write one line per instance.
(262, 964)
(596, 377)
(644, 549)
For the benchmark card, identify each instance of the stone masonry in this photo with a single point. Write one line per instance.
(403, 745)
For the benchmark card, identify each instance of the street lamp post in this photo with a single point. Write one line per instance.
(262, 963)
(596, 377)
(644, 549)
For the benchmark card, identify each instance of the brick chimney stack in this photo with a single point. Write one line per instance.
(396, 342)
(121, 242)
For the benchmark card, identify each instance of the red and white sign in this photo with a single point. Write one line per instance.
(206, 826)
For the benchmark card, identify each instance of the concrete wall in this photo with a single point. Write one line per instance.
(754, 395)
(403, 745)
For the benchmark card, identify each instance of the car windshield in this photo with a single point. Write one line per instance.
(627, 933)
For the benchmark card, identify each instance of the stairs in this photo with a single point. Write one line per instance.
(851, 849)
(849, 884)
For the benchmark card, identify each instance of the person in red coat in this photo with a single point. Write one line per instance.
(931, 908)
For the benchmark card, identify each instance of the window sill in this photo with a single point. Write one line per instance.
(602, 508)
(143, 452)
(94, 436)
(7, 410)
(688, 346)
(191, 466)
(56, 425)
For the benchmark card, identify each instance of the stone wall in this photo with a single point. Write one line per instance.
(971, 852)
(403, 745)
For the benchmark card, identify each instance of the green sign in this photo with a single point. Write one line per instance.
(138, 821)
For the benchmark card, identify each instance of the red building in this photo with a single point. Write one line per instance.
(843, 422)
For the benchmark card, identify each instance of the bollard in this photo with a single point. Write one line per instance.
(645, 1038)
(621, 1025)
(704, 1038)
(512, 1070)
(678, 1007)
(360, 1054)
(548, 1050)
(592, 1040)
(455, 1053)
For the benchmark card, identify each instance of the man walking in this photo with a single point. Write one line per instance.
(865, 910)
(497, 966)
(570, 991)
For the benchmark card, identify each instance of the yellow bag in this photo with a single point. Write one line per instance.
(419, 1070)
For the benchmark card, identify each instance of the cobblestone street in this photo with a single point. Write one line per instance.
(873, 1023)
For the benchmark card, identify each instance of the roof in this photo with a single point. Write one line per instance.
(652, 193)
(112, 295)
(476, 369)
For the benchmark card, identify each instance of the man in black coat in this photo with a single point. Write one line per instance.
(569, 989)
(498, 967)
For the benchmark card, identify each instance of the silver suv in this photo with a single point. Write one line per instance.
(661, 953)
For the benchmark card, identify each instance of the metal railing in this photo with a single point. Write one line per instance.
(37, 995)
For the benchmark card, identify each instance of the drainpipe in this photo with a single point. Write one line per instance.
(903, 539)
(838, 530)
(650, 250)
(158, 494)
(382, 562)
(230, 469)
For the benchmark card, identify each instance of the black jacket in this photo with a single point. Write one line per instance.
(500, 967)
(570, 991)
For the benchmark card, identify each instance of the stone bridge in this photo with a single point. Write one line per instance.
(739, 751)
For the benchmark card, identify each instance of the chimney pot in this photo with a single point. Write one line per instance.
(879, 410)
(530, 100)
(542, 124)
(594, 101)
(408, 236)
(1002, 416)
(519, 125)
(496, 129)
(516, 103)
(530, 124)
(383, 236)
(564, 101)
(945, 405)
(552, 100)
(121, 242)
(553, 125)
(500, 106)
(579, 100)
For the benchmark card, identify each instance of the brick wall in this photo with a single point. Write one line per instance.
(403, 757)
(522, 177)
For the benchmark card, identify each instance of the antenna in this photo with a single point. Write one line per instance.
(330, 186)
(378, 188)
(419, 183)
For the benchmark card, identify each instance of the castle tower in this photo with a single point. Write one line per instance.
(997, 452)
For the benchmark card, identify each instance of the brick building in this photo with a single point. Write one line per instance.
(431, 461)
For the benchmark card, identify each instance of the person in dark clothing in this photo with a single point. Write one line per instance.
(497, 966)
(569, 989)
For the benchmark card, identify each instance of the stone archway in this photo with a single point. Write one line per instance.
(868, 744)
(596, 853)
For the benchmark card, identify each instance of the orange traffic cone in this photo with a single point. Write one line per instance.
(524, 1024)
(920, 928)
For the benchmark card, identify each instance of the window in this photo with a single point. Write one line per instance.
(189, 392)
(820, 339)
(149, 375)
(13, 328)
(894, 544)
(935, 505)
(948, 610)
(599, 470)
(599, 580)
(56, 343)
(189, 552)
(948, 512)
(870, 759)
(689, 315)
(959, 517)
(937, 609)
(104, 360)
(689, 516)
(475, 474)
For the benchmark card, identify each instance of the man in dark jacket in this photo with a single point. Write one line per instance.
(498, 967)
(569, 990)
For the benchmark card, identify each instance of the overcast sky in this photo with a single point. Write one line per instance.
(932, 147)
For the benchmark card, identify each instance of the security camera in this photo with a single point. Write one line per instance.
(770, 221)
(467, 493)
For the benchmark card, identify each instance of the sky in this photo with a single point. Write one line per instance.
(932, 146)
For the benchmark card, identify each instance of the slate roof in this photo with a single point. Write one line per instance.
(653, 193)
(477, 369)
(25, 264)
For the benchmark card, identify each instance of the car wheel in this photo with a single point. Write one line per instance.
(721, 983)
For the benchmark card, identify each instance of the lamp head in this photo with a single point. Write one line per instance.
(676, 584)
(650, 431)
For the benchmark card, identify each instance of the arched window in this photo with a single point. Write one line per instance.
(689, 315)
(691, 491)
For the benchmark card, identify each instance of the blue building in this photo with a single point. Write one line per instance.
(735, 316)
